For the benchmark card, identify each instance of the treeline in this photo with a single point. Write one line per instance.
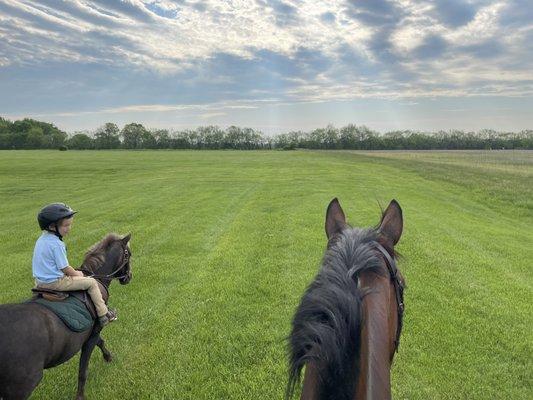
(32, 134)
(354, 137)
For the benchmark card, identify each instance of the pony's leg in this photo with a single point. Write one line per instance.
(108, 357)
(86, 352)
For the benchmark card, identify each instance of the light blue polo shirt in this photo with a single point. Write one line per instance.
(49, 257)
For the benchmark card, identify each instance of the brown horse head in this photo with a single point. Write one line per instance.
(109, 259)
(347, 326)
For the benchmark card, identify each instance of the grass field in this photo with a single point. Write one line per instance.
(225, 243)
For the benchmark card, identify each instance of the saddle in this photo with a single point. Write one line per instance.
(82, 295)
(49, 294)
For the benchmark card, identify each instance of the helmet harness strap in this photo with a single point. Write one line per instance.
(56, 232)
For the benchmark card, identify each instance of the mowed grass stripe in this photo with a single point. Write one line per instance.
(171, 329)
(226, 242)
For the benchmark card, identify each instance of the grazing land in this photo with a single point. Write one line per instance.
(225, 242)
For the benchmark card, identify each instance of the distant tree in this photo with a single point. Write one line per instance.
(316, 139)
(55, 140)
(524, 139)
(331, 137)
(210, 137)
(34, 138)
(348, 137)
(5, 134)
(107, 136)
(5, 141)
(148, 141)
(191, 137)
(28, 133)
(162, 138)
(394, 140)
(180, 140)
(253, 139)
(281, 140)
(81, 141)
(132, 136)
(242, 138)
(5, 126)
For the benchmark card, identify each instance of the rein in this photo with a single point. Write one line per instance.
(398, 288)
(126, 259)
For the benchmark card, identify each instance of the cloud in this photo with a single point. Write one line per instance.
(328, 17)
(132, 9)
(99, 55)
(432, 47)
(212, 115)
(484, 50)
(213, 109)
(163, 10)
(374, 12)
(516, 14)
(454, 13)
(284, 12)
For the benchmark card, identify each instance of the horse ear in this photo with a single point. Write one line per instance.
(335, 219)
(391, 224)
(126, 239)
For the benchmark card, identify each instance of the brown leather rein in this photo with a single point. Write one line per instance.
(398, 288)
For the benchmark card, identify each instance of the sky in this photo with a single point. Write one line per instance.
(272, 65)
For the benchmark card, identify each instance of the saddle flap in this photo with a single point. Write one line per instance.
(84, 297)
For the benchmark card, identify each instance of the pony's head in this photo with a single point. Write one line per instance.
(110, 259)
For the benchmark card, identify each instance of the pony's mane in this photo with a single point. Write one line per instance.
(327, 325)
(95, 256)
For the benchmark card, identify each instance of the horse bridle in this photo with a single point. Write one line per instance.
(398, 288)
(125, 260)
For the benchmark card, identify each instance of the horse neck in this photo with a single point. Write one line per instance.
(105, 269)
(106, 282)
(372, 368)
(377, 344)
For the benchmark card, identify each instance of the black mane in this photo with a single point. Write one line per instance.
(327, 324)
(95, 256)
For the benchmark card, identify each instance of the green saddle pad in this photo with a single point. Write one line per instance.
(71, 311)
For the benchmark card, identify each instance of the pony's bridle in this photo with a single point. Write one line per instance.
(398, 288)
(125, 260)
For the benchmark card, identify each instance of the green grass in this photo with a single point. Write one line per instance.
(225, 243)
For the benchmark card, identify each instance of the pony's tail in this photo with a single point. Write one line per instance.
(326, 331)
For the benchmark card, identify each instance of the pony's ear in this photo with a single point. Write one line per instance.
(126, 239)
(391, 225)
(335, 219)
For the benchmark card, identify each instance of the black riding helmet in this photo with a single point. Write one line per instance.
(51, 214)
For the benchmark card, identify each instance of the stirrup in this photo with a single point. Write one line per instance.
(110, 316)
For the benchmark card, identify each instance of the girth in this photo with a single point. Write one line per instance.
(398, 289)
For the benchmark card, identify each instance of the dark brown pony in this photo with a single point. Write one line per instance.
(348, 324)
(32, 338)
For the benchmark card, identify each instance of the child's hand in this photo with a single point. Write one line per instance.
(79, 273)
